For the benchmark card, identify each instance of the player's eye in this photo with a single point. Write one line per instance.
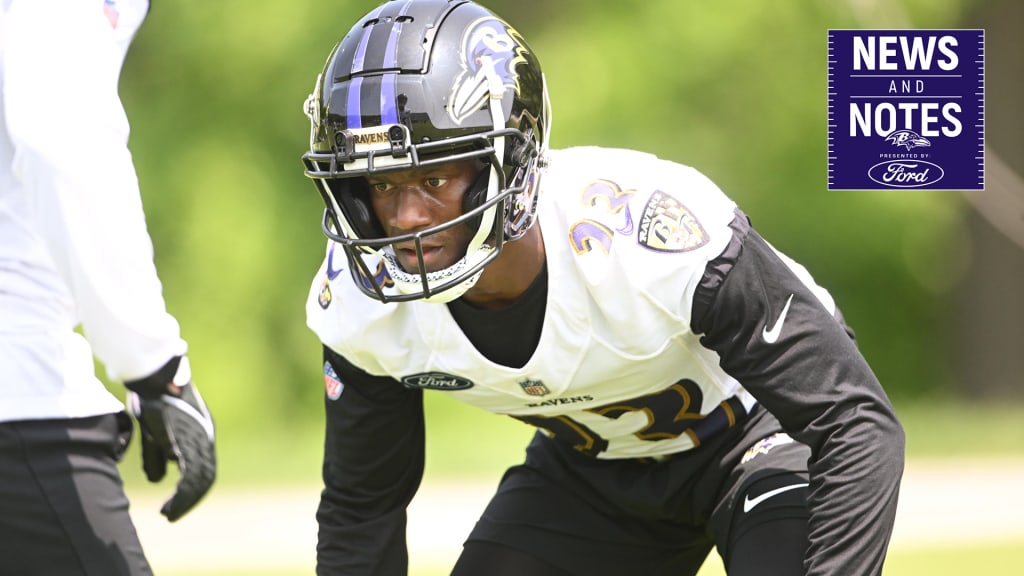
(379, 186)
(436, 182)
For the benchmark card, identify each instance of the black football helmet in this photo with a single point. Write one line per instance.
(416, 83)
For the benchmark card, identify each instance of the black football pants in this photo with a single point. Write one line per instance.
(562, 513)
(63, 510)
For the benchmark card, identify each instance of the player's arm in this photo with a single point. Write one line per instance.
(806, 369)
(70, 136)
(373, 463)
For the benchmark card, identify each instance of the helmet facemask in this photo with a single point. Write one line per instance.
(345, 149)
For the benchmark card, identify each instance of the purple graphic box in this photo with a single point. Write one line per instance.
(906, 109)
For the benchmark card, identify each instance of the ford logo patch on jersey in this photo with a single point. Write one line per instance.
(436, 381)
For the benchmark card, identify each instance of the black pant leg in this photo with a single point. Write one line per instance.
(64, 510)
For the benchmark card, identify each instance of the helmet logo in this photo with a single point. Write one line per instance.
(488, 43)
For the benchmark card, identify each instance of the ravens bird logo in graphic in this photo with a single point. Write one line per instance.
(907, 138)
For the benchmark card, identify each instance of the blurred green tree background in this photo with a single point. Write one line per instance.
(735, 88)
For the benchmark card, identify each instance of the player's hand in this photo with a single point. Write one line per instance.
(177, 426)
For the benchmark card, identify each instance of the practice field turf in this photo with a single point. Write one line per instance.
(999, 558)
(983, 432)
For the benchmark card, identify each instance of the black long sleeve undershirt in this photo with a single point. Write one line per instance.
(373, 464)
(819, 386)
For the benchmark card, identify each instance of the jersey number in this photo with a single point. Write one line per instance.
(670, 413)
(587, 235)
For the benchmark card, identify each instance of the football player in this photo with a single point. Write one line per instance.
(693, 388)
(75, 251)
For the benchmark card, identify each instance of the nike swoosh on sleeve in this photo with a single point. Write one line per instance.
(772, 335)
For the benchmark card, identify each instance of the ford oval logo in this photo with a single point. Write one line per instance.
(906, 173)
(436, 381)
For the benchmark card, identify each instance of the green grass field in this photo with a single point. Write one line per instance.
(466, 443)
(939, 561)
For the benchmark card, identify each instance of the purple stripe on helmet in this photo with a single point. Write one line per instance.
(388, 114)
(390, 61)
(355, 113)
(360, 55)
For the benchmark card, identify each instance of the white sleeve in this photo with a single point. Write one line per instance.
(69, 131)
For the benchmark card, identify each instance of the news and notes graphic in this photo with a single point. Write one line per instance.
(906, 109)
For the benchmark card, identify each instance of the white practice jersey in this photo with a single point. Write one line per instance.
(74, 248)
(617, 371)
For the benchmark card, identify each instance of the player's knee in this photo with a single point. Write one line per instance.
(769, 527)
(786, 491)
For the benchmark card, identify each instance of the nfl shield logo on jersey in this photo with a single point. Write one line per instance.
(534, 388)
(331, 383)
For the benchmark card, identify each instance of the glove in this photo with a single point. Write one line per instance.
(176, 425)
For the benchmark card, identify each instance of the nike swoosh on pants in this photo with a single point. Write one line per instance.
(749, 503)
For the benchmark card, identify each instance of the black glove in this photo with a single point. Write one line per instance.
(176, 425)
